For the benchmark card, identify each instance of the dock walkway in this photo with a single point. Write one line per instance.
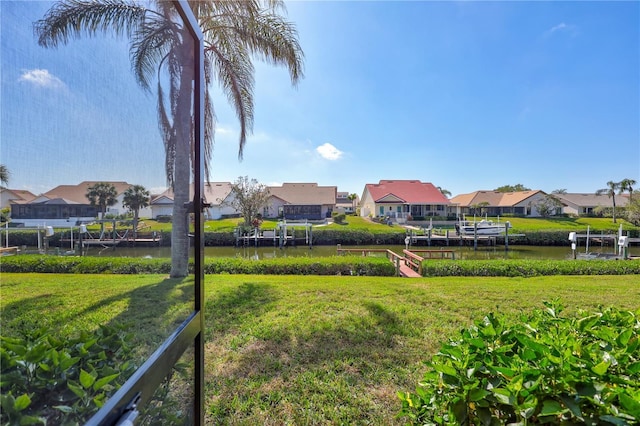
(409, 264)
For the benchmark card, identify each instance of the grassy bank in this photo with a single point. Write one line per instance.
(361, 231)
(300, 349)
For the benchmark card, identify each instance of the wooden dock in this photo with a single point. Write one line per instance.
(8, 251)
(409, 264)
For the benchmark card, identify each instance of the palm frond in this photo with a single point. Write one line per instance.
(210, 120)
(168, 136)
(72, 18)
(273, 40)
(150, 45)
(235, 76)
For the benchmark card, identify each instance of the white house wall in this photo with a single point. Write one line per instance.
(217, 212)
(161, 210)
(532, 202)
(367, 206)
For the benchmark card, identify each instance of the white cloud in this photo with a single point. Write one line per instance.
(561, 27)
(329, 152)
(41, 78)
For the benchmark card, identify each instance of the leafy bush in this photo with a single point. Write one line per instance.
(51, 380)
(544, 369)
(527, 268)
(339, 218)
(335, 265)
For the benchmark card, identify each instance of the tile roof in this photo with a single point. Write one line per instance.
(23, 194)
(305, 193)
(78, 193)
(493, 198)
(593, 200)
(407, 191)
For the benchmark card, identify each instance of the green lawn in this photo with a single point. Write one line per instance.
(353, 223)
(567, 224)
(300, 349)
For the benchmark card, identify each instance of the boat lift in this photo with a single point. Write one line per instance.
(619, 241)
(283, 234)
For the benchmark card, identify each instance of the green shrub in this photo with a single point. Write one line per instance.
(335, 265)
(339, 218)
(543, 369)
(527, 268)
(52, 380)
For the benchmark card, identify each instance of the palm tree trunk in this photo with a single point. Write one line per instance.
(182, 172)
(135, 223)
(613, 197)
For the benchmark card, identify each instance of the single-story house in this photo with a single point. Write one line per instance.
(494, 203)
(64, 205)
(53, 212)
(580, 204)
(297, 201)
(217, 194)
(8, 195)
(399, 199)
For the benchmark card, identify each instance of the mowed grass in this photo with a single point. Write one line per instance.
(301, 349)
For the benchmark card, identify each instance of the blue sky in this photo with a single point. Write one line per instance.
(466, 95)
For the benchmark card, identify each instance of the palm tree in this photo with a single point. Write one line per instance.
(610, 191)
(102, 194)
(444, 192)
(234, 31)
(627, 185)
(353, 197)
(136, 197)
(4, 175)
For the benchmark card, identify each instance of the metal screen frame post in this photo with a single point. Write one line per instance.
(141, 385)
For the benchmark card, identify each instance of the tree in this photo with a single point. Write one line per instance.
(633, 211)
(610, 191)
(479, 208)
(4, 175)
(512, 188)
(353, 197)
(444, 192)
(103, 195)
(234, 32)
(250, 198)
(627, 185)
(548, 205)
(559, 191)
(136, 197)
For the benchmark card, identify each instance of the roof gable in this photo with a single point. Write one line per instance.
(389, 198)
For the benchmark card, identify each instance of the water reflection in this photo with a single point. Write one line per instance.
(257, 253)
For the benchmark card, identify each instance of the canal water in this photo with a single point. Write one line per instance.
(266, 252)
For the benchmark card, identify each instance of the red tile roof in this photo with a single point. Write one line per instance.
(409, 191)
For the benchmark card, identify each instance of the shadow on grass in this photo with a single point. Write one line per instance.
(231, 308)
(153, 312)
(319, 363)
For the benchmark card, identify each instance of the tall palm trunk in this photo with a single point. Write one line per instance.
(182, 167)
(136, 213)
(613, 197)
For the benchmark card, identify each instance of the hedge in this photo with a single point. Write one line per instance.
(335, 265)
(527, 268)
